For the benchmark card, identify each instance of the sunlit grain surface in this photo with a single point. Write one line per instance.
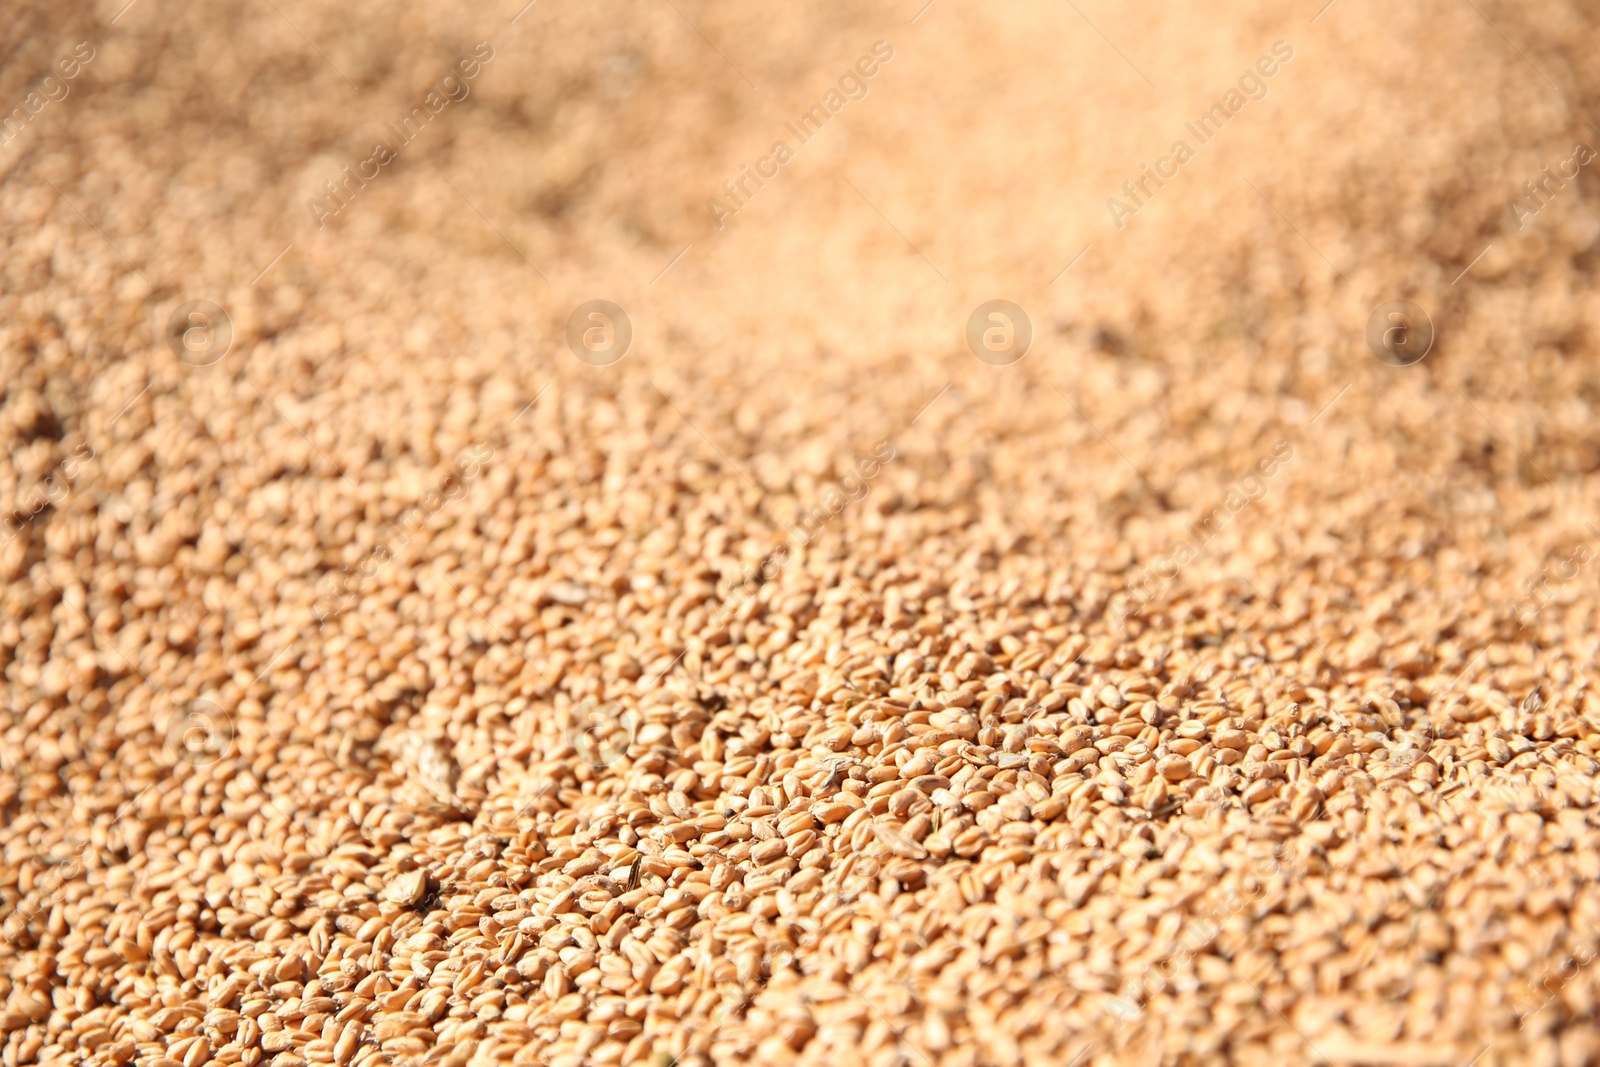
(670, 533)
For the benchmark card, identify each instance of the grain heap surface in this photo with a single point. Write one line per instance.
(386, 685)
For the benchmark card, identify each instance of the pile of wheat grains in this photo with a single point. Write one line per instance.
(385, 684)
